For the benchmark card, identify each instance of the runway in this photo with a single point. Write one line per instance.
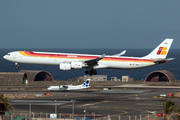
(106, 102)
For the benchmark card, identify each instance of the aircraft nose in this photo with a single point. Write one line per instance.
(5, 56)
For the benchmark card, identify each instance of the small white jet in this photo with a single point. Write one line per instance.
(69, 61)
(70, 87)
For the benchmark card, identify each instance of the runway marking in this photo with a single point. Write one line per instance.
(38, 102)
(150, 104)
(143, 86)
(93, 104)
(152, 112)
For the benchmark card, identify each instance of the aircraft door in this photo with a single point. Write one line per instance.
(140, 62)
(55, 58)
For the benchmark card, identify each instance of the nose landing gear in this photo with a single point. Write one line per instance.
(17, 65)
(91, 72)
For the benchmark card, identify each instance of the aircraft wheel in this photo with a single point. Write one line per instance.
(90, 73)
(17, 65)
(95, 72)
(86, 72)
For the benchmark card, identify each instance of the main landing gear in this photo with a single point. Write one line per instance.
(17, 65)
(91, 72)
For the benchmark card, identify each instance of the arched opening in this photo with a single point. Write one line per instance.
(43, 76)
(160, 76)
(25, 80)
(34, 75)
(163, 78)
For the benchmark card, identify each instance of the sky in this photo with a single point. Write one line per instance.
(88, 24)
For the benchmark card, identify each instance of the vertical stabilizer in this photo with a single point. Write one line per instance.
(161, 51)
(86, 83)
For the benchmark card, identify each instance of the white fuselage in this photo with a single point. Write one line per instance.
(70, 87)
(46, 58)
(68, 61)
(78, 87)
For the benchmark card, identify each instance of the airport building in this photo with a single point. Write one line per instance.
(115, 79)
(93, 78)
(127, 79)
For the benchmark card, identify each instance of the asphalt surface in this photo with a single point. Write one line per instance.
(119, 101)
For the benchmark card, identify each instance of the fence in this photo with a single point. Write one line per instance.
(26, 116)
(47, 116)
(136, 117)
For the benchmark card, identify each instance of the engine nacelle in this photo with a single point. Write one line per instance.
(76, 65)
(65, 66)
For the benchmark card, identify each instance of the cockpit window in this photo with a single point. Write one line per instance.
(8, 54)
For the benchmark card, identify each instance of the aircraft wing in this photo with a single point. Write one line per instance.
(66, 86)
(94, 62)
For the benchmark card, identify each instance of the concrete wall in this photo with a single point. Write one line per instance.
(12, 78)
(24, 77)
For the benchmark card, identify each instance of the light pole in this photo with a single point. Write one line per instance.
(55, 107)
(73, 106)
(29, 111)
(94, 114)
(84, 114)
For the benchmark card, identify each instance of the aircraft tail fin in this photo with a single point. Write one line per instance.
(86, 83)
(161, 51)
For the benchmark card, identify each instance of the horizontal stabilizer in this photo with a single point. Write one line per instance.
(158, 61)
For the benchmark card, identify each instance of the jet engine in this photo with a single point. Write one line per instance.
(65, 66)
(72, 65)
(76, 65)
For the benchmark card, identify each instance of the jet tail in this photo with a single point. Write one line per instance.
(161, 51)
(86, 83)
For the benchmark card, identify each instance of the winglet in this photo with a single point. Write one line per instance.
(122, 53)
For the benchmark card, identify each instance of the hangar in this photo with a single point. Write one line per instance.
(24, 77)
(34, 75)
(160, 76)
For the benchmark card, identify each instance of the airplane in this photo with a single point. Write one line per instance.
(69, 61)
(70, 87)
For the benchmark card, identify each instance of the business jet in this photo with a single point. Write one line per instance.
(69, 61)
(70, 87)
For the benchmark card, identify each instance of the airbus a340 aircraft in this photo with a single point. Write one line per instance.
(68, 61)
(70, 87)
